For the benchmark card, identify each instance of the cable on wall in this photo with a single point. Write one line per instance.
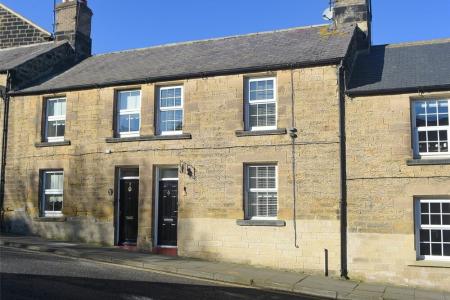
(293, 134)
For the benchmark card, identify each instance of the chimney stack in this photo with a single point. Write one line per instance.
(354, 11)
(73, 24)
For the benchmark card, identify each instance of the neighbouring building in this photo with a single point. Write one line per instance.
(265, 149)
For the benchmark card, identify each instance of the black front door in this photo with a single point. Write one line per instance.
(128, 211)
(168, 213)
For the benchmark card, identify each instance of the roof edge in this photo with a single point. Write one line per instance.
(25, 19)
(406, 90)
(333, 61)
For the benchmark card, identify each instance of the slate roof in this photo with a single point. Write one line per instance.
(13, 57)
(268, 50)
(422, 66)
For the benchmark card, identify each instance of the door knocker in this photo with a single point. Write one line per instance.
(129, 187)
(168, 193)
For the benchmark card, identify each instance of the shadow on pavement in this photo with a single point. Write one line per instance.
(27, 286)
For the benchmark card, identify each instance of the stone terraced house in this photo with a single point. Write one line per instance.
(299, 149)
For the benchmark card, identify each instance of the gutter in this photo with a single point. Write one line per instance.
(393, 91)
(5, 96)
(343, 172)
(331, 61)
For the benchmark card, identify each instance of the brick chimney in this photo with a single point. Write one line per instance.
(73, 24)
(354, 11)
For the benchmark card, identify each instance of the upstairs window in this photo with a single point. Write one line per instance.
(261, 192)
(261, 104)
(433, 229)
(431, 128)
(52, 197)
(129, 113)
(55, 119)
(170, 110)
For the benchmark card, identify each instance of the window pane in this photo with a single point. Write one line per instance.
(446, 249)
(419, 107)
(61, 128)
(425, 219)
(424, 235)
(435, 207)
(445, 219)
(53, 202)
(436, 249)
(432, 135)
(169, 173)
(435, 219)
(443, 106)
(54, 181)
(443, 119)
(420, 120)
(130, 100)
(424, 207)
(423, 147)
(134, 122)
(436, 236)
(124, 123)
(431, 107)
(446, 207)
(51, 128)
(433, 147)
(432, 120)
(424, 249)
(446, 236)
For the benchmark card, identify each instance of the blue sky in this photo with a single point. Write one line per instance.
(130, 24)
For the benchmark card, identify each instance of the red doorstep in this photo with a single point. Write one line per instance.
(166, 251)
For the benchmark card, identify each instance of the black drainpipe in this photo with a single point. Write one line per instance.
(343, 171)
(5, 97)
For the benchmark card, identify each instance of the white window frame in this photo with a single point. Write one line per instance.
(249, 102)
(175, 107)
(51, 213)
(121, 112)
(416, 130)
(419, 226)
(248, 190)
(53, 139)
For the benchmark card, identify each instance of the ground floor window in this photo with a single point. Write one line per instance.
(433, 229)
(261, 191)
(52, 193)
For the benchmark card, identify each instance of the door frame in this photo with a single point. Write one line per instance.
(156, 201)
(118, 177)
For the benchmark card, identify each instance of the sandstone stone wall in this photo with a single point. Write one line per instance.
(381, 187)
(17, 31)
(208, 205)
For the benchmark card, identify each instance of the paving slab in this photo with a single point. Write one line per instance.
(429, 295)
(283, 281)
(364, 295)
(337, 285)
(371, 287)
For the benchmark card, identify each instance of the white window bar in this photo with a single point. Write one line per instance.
(55, 119)
(129, 113)
(261, 104)
(433, 229)
(431, 128)
(170, 115)
(262, 192)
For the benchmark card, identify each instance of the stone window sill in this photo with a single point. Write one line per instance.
(428, 162)
(50, 219)
(143, 138)
(241, 133)
(430, 264)
(274, 223)
(52, 144)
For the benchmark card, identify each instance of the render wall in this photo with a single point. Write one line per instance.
(381, 187)
(208, 205)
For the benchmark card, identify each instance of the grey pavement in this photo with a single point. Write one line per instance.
(264, 278)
